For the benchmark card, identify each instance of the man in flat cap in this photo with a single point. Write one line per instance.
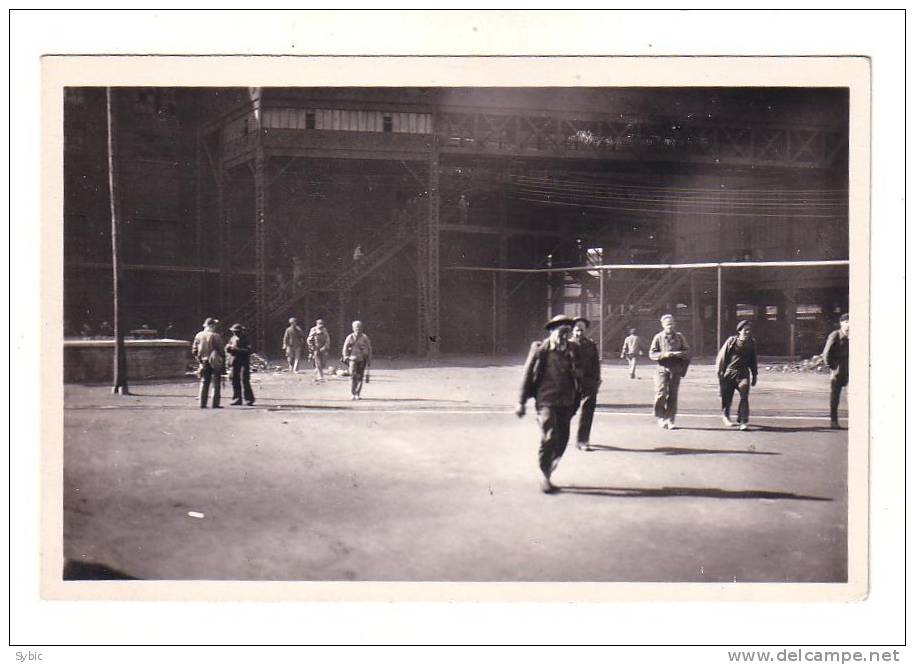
(357, 352)
(210, 351)
(294, 345)
(835, 354)
(670, 350)
(319, 348)
(632, 349)
(551, 378)
(737, 370)
(589, 379)
(239, 350)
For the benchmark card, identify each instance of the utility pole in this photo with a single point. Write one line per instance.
(120, 354)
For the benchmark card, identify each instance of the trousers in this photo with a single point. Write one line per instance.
(241, 382)
(586, 417)
(208, 376)
(839, 380)
(554, 424)
(667, 389)
(357, 375)
(633, 363)
(742, 385)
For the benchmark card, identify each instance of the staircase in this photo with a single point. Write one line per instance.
(385, 244)
(650, 290)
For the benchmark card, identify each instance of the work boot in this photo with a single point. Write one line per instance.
(235, 402)
(727, 421)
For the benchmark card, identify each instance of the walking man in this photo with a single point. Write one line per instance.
(294, 345)
(632, 349)
(670, 350)
(551, 378)
(239, 350)
(589, 379)
(357, 351)
(210, 352)
(835, 354)
(737, 371)
(319, 348)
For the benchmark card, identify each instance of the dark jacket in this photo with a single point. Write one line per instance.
(537, 382)
(731, 360)
(835, 353)
(239, 350)
(588, 365)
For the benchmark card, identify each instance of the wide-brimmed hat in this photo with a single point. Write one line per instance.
(210, 321)
(236, 327)
(844, 317)
(667, 317)
(587, 322)
(559, 320)
(744, 324)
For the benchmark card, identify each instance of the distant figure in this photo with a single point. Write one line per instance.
(632, 349)
(835, 354)
(298, 272)
(589, 379)
(737, 370)
(551, 378)
(463, 209)
(294, 345)
(85, 330)
(357, 351)
(319, 348)
(210, 352)
(358, 254)
(169, 331)
(239, 350)
(104, 330)
(670, 350)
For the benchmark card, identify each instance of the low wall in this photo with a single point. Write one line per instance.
(92, 360)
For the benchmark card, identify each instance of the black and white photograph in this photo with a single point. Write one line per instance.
(457, 327)
(456, 334)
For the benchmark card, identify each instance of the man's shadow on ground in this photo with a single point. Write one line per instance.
(670, 450)
(698, 492)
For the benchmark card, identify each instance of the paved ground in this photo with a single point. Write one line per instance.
(432, 477)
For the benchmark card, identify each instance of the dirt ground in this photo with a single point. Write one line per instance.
(432, 477)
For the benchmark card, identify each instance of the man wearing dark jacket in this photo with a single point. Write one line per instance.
(239, 350)
(589, 379)
(737, 370)
(836, 356)
(551, 378)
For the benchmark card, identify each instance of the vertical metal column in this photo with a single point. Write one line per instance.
(260, 231)
(696, 315)
(119, 385)
(422, 263)
(600, 347)
(502, 296)
(432, 284)
(495, 313)
(198, 227)
(223, 226)
(718, 329)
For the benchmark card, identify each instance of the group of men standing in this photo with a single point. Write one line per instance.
(214, 356)
(562, 374)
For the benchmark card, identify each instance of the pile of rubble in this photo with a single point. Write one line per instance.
(812, 364)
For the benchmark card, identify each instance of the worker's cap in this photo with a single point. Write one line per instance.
(210, 321)
(584, 320)
(666, 318)
(844, 317)
(559, 320)
(320, 323)
(293, 320)
(744, 324)
(237, 327)
(632, 331)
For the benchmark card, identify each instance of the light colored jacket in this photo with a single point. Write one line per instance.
(357, 347)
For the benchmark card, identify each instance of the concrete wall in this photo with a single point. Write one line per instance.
(92, 360)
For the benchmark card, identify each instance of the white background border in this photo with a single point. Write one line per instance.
(878, 620)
